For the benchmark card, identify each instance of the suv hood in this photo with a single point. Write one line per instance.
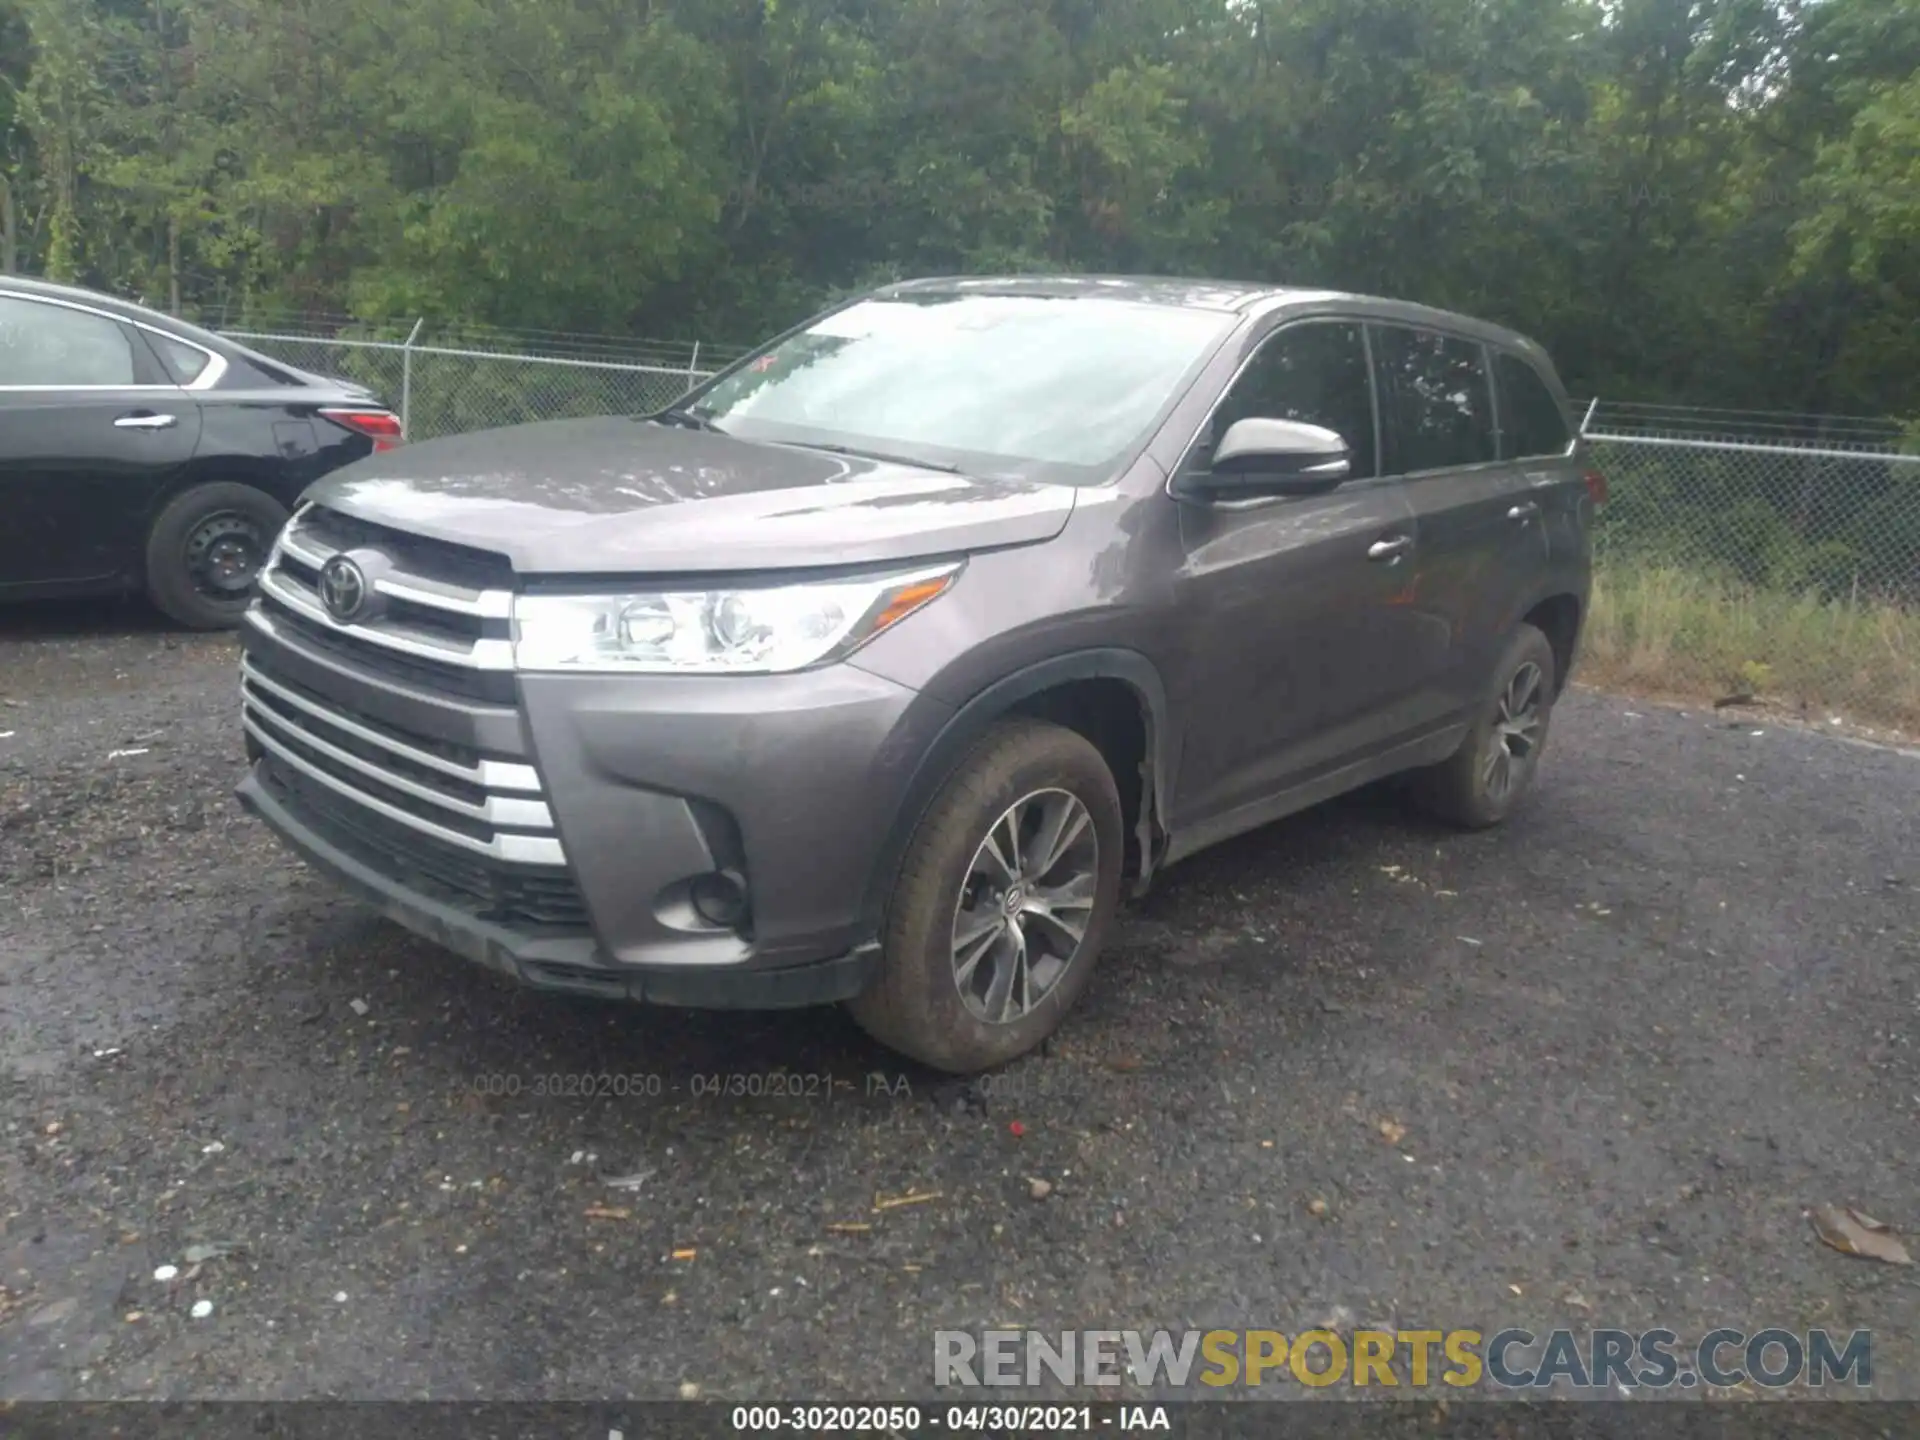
(618, 495)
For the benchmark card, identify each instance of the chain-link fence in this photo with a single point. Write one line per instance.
(443, 388)
(1762, 556)
(1741, 554)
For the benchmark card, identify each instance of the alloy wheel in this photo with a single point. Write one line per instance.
(1025, 905)
(1516, 732)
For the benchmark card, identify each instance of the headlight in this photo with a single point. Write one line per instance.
(741, 631)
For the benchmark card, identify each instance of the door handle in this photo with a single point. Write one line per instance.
(1391, 550)
(146, 422)
(1523, 513)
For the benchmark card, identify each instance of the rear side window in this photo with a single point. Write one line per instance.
(1315, 373)
(184, 362)
(52, 345)
(1531, 419)
(1436, 404)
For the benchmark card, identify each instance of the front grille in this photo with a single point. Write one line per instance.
(288, 691)
(460, 565)
(492, 808)
(449, 628)
(454, 821)
(493, 687)
(439, 616)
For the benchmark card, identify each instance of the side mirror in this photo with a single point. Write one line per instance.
(1258, 456)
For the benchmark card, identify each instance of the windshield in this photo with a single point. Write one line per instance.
(1039, 387)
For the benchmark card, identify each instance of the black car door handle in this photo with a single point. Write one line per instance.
(1524, 512)
(1389, 550)
(146, 421)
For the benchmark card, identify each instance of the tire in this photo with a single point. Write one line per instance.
(198, 547)
(1462, 789)
(947, 877)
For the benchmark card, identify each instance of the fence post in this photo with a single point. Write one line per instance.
(406, 377)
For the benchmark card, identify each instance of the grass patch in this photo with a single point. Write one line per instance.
(1671, 630)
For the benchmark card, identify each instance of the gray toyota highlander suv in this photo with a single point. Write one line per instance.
(877, 668)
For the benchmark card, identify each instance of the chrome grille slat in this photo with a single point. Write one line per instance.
(483, 654)
(413, 553)
(275, 630)
(507, 847)
(292, 543)
(494, 810)
(436, 595)
(424, 591)
(466, 609)
(487, 692)
(539, 895)
(488, 774)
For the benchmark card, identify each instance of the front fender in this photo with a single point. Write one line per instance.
(979, 714)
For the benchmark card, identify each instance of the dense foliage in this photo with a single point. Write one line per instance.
(1715, 201)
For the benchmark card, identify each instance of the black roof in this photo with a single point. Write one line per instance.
(125, 309)
(94, 298)
(145, 315)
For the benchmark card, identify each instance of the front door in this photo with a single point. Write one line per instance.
(90, 433)
(1300, 651)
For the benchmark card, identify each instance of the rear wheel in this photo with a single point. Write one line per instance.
(1002, 902)
(205, 551)
(1495, 766)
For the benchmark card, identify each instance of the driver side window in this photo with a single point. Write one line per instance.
(1314, 372)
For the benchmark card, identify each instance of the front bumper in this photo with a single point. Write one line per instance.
(549, 959)
(589, 807)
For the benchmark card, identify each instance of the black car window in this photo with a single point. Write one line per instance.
(184, 362)
(1531, 419)
(1436, 406)
(52, 345)
(1315, 373)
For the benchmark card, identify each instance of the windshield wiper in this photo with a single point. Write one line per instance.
(687, 420)
(860, 454)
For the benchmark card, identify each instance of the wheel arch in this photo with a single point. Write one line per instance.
(270, 478)
(274, 478)
(1114, 697)
(1559, 617)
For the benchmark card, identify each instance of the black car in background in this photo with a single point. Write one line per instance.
(138, 452)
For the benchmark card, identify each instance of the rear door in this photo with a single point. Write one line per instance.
(1482, 546)
(91, 431)
(1536, 437)
(1299, 649)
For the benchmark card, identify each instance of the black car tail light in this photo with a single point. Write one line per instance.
(381, 426)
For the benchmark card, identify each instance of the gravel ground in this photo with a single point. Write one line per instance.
(1589, 1069)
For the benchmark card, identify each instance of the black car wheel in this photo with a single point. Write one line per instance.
(1002, 903)
(205, 551)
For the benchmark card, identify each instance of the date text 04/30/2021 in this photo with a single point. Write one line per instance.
(982, 1419)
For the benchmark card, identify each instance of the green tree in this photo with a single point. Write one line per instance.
(1705, 200)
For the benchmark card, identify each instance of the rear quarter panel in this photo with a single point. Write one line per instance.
(271, 443)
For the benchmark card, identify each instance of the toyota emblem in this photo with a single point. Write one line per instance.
(343, 588)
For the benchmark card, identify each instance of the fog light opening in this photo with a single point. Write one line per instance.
(719, 899)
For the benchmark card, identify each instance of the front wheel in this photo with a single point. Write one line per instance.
(205, 551)
(1002, 902)
(1494, 768)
